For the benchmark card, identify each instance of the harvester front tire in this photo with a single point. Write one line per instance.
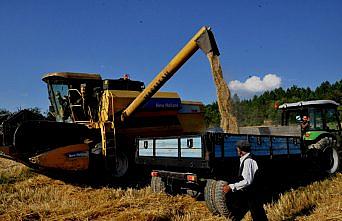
(158, 185)
(209, 196)
(221, 200)
(121, 165)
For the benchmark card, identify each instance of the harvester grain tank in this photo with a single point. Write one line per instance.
(97, 121)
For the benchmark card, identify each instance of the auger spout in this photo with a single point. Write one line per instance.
(203, 39)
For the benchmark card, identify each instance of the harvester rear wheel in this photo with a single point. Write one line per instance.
(209, 196)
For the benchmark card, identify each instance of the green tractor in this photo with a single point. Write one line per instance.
(321, 133)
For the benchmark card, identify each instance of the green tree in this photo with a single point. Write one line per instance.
(254, 111)
(212, 115)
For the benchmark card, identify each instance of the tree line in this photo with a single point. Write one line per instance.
(260, 110)
(4, 112)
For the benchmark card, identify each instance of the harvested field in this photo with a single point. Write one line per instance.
(26, 195)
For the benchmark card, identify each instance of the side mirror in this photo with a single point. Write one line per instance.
(298, 119)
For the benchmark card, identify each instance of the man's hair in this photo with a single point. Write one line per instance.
(243, 145)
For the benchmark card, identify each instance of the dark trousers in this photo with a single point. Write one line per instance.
(248, 200)
(256, 207)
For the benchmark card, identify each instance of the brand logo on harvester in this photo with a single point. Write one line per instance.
(78, 154)
(167, 105)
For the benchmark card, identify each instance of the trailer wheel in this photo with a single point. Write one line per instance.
(221, 200)
(158, 185)
(209, 196)
(193, 193)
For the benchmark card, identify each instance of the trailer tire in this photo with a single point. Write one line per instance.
(221, 200)
(158, 185)
(209, 196)
(193, 193)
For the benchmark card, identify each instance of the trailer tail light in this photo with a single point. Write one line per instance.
(191, 178)
(154, 174)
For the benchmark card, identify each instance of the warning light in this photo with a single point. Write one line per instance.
(126, 77)
(154, 174)
(192, 178)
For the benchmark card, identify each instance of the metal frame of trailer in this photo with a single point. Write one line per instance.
(209, 155)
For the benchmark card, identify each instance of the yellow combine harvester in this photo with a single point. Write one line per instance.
(98, 120)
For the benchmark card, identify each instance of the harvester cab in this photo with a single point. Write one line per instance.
(73, 96)
(76, 97)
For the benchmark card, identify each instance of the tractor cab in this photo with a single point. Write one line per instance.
(74, 97)
(322, 115)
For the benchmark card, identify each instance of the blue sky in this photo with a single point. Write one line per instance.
(298, 41)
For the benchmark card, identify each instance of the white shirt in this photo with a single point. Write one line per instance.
(250, 166)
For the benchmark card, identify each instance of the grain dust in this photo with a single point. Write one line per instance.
(228, 121)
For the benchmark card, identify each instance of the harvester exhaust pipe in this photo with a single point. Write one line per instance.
(203, 39)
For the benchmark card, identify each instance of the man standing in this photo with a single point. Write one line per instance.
(305, 125)
(246, 187)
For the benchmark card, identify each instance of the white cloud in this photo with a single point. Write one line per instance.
(256, 84)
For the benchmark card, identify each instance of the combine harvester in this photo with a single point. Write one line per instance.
(98, 120)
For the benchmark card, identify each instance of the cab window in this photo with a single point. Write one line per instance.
(316, 120)
(331, 119)
(293, 117)
(60, 96)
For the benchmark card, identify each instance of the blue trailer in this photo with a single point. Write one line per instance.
(203, 163)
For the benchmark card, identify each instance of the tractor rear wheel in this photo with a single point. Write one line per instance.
(325, 156)
(330, 160)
